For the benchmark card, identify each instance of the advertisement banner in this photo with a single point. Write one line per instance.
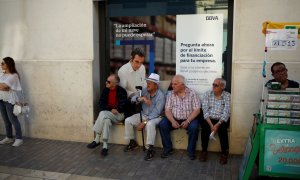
(199, 40)
(282, 152)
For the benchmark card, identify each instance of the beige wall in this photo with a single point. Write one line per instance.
(248, 55)
(52, 43)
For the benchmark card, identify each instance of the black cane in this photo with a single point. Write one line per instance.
(141, 118)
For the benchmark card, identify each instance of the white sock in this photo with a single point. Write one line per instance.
(105, 143)
(97, 138)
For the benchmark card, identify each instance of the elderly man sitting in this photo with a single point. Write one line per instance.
(112, 103)
(153, 101)
(216, 111)
(181, 109)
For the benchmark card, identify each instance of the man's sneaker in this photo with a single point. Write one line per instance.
(6, 140)
(166, 154)
(149, 155)
(131, 146)
(18, 142)
(93, 145)
(104, 152)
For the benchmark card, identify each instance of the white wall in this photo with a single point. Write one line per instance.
(52, 43)
(248, 55)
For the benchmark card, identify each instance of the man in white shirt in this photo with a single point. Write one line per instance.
(133, 73)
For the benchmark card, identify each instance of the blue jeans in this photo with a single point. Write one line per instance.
(10, 119)
(165, 127)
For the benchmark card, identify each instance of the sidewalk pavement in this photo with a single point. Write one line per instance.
(51, 159)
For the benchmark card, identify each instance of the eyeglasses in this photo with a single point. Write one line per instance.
(279, 71)
(108, 82)
(215, 85)
(2, 63)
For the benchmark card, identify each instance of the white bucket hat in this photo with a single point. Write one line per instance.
(154, 78)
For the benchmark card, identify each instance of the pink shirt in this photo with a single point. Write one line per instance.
(182, 107)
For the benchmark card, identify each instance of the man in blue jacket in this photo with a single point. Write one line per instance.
(112, 103)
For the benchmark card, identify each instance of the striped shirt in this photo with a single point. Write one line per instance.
(182, 107)
(214, 108)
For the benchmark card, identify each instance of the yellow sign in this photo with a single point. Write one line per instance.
(281, 25)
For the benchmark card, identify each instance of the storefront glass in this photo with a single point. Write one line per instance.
(151, 26)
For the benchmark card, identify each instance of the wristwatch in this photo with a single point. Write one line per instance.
(145, 122)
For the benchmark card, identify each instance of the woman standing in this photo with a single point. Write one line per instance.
(9, 85)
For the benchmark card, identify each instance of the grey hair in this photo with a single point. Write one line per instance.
(181, 78)
(223, 81)
(117, 79)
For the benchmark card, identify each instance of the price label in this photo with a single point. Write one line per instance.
(283, 43)
(282, 39)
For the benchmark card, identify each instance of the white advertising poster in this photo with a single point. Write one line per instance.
(199, 42)
(281, 39)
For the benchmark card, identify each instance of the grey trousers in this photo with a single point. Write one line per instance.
(150, 128)
(104, 121)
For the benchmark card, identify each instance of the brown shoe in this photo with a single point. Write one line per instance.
(203, 156)
(223, 159)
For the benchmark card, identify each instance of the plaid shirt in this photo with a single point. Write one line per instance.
(214, 108)
(182, 107)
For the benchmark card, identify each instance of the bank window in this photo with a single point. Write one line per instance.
(153, 27)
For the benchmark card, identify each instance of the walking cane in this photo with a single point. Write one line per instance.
(139, 88)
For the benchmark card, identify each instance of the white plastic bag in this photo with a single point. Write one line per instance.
(21, 109)
(17, 109)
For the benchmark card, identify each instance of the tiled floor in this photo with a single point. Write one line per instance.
(49, 159)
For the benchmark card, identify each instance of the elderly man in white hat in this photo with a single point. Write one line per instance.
(153, 101)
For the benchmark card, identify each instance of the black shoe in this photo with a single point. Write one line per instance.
(203, 156)
(166, 154)
(131, 146)
(104, 152)
(150, 154)
(192, 156)
(92, 145)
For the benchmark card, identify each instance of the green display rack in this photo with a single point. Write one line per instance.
(275, 137)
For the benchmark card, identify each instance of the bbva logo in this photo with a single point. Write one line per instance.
(211, 17)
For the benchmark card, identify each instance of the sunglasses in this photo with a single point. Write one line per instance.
(215, 85)
(108, 82)
(2, 63)
(280, 71)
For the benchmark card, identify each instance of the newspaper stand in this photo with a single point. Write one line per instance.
(275, 137)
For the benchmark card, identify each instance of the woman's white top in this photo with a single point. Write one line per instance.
(13, 82)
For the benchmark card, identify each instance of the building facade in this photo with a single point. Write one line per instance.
(57, 47)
